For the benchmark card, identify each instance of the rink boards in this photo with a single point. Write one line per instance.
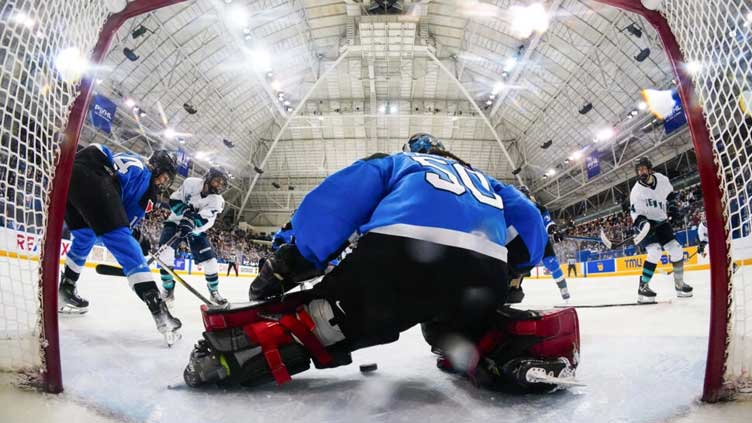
(26, 246)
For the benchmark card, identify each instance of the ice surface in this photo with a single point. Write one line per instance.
(640, 364)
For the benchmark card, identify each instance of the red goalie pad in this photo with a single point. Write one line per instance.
(555, 334)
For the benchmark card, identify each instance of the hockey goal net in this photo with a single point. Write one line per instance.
(709, 45)
(47, 52)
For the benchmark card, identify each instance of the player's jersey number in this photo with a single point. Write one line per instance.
(457, 179)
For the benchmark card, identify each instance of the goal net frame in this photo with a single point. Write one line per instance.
(718, 231)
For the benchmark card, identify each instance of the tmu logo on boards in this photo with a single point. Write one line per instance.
(636, 262)
(26, 243)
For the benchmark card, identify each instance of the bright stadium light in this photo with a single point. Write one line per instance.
(551, 172)
(498, 87)
(509, 64)
(276, 85)
(528, 19)
(237, 15)
(71, 64)
(642, 106)
(577, 155)
(605, 134)
(130, 103)
(169, 133)
(694, 67)
(382, 109)
(261, 60)
(393, 109)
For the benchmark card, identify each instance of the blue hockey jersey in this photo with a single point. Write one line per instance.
(281, 237)
(410, 195)
(524, 220)
(134, 177)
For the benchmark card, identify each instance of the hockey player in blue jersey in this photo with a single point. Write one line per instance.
(283, 236)
(549, 254)
(432, 241)
(109, 193)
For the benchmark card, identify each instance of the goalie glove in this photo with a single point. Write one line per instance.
(281, 272)
(641, 229)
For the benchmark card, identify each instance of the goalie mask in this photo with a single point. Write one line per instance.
(422, 143)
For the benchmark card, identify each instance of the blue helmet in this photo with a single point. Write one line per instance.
(422, 143)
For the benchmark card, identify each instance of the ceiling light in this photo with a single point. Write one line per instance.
(642, 105)
(321, 118)
(24, 19)
(547, 144)
(634, 30)
(141, 30)
(246, 30)
(287, 102)
(509, 64)
(129, 102)
(228, 1)
(288, 109)
(71, 64)
(190, 108)
(566, 161)
(248, 37)
(393, 109)
(237, 15)
(551, 172)
(492, 96)
(181, 140)
(275, 85)
(694, 67)
(498, 87)
(382, 108)
(605, 134)
(169, 133)
(545, 176)
(525, 20)
(142, 113)
(261, 60)
(586, 108)
(642, 55)
(270, 74)
(489, 102)
(576, 155)
(505, 74)
(99, 81)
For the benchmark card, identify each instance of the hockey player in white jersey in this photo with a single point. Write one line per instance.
(702, 236)
(195, 206)
(652, 204)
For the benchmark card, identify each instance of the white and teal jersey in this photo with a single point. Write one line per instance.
(410, 195)
(651, 200)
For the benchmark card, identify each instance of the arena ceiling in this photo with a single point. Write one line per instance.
(302, 88)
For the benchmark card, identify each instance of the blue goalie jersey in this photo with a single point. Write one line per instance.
(524, 219)
(134, 177)
(410, 195)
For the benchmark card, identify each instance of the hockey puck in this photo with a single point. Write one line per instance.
(366, 368)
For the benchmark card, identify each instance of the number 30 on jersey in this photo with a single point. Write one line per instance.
(455, 178)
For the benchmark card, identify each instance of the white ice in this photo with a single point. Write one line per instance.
(640, 364)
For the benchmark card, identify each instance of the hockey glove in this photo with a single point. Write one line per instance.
(186, 227)
(641, 229)
(281, 272)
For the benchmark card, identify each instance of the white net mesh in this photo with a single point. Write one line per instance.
(717, 36)
(34, 108)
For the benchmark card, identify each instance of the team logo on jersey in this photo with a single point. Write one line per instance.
(149, 207)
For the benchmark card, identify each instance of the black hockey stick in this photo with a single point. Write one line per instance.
(636, 239)
(184, 283)
(110, 270)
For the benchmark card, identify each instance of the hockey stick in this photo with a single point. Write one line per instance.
(109, 270)
(184, 283)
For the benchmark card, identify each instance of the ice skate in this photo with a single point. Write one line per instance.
(683, 290)
(545, 374)
(69, 302)
(217, 297)
(167, 325)
(645, 295)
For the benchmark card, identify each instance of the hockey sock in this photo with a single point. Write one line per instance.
(71, 274)
(212, 282)
(149, 294)
(167, 282)
(647, 271)
(562, 283)
(678, 272)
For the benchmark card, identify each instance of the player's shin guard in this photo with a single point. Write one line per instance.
(268, 342)
(682, 289)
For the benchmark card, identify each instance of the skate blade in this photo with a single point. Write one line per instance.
(645, 300)
(67, 309)
(680, 294)
(540, 376)
(172, 337)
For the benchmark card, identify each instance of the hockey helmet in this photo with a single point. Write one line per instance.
(643, 161)
(163, 162)
(216, 172)
(422, 143)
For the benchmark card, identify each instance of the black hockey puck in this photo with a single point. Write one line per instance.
(365, 368)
